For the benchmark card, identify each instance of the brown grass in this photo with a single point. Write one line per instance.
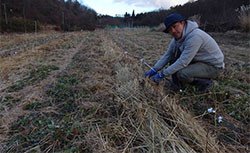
(119, 110)
(244, 17)
(148, 117)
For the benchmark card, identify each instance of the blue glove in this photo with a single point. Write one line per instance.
(158, 77)
(150, 73)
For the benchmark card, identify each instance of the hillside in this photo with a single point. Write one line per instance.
(20, 15)
(213, 15)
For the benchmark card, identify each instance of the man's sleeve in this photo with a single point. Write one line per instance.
(191, 47)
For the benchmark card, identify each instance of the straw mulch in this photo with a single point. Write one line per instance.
(99, 101)
(150, 120)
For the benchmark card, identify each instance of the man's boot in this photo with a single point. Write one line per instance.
(174, 85)
(203, 84)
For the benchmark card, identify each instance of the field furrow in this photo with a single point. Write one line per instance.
(79, 92)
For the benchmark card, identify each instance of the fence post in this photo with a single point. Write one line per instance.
(35, 27)
(6, 19)
(63, 20)
(24, 17)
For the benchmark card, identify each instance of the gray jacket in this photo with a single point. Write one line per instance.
(195, 45)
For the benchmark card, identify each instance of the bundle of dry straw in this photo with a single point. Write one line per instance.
(156, 121)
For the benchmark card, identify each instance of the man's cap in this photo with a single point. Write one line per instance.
(170, 19)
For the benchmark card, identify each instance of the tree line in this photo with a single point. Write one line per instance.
(213, 15)
(69, 15)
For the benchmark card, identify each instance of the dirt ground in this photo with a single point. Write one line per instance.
(79, 92)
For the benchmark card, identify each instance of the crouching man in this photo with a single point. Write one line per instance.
(193, 56)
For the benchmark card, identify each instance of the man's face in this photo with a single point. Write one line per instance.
(176, 29)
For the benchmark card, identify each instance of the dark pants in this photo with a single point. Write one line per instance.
(196, 70)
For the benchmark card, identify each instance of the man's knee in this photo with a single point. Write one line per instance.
(183, 76)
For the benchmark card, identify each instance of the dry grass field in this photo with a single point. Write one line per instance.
(79, 92)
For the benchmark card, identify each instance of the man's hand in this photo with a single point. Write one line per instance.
(150, 73)
(158, 77)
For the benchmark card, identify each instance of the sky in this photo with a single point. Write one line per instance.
(120, 7)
